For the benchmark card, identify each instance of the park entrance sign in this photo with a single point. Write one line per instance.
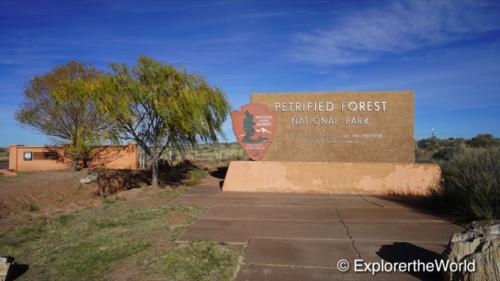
(343, 142)
(341, 127)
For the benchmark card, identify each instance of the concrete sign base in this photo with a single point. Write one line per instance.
(332, 177)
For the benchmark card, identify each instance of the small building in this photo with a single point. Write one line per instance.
(44, 158)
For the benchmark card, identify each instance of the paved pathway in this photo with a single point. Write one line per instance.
(288, 237)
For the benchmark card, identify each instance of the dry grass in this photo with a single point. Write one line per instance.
(121, 239)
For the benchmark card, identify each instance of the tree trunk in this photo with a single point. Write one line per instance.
(74, 164)
(85, 162)
(154, 176)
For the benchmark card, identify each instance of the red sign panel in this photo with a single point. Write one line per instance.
(254, 127)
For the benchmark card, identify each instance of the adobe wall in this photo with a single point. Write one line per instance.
(113, 157)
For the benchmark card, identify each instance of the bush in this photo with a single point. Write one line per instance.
(471, 184)
(483, 140)
(448, 152)
(436, 150)
(113, 181)
(193, 177)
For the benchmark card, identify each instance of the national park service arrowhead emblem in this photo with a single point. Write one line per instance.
(254, 127)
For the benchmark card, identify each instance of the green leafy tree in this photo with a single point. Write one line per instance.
(248, 127)
(62, 104)
(159, 106)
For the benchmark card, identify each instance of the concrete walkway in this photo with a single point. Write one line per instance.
(288, 237)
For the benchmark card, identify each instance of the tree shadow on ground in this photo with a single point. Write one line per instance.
(173, 175)
(422, 204)
(219, 173)
(16, 270)
(407, 252)
(113, 181)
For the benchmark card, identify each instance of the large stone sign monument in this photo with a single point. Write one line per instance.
(341, 127)
(354, 142)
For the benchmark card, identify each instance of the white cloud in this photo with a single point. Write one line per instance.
(395, 28)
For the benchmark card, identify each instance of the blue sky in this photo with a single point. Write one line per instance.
(448, 52)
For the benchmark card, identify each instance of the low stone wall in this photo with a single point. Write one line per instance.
(44, 158)
(332, 177)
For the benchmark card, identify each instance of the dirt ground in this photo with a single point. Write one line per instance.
(35, 194)
(30, 195)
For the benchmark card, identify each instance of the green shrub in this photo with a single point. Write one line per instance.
(483, 140)
(448, 152)
(436, 150)
(471, 184)
(193, 177)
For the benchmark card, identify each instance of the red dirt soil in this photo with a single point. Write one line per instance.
(35, 194)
